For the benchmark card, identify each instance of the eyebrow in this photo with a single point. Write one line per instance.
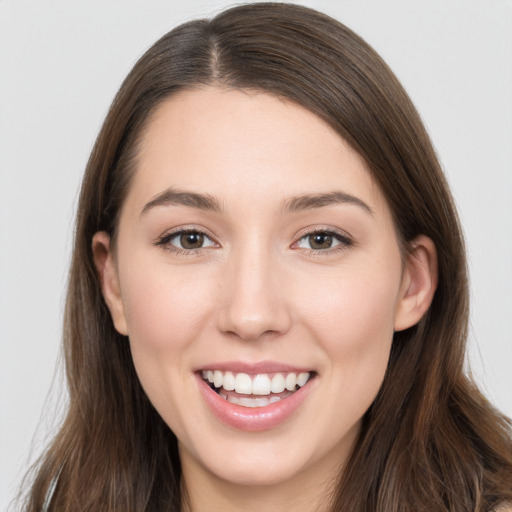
(175, 197)
(320, 200)
(207, 202)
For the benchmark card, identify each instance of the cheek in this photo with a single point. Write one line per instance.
(356, 306)
(355, 330)
(352, 318)
(164, 307)
(166, 310)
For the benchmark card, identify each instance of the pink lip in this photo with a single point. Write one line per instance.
(252, 419)
(253, 368)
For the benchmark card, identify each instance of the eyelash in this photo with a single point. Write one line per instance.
(344, 241)
(165, 241)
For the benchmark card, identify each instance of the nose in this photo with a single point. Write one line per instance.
(254, 304)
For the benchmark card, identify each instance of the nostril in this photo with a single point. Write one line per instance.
(253, 311)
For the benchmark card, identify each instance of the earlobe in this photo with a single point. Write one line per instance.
(109, 279)
(419, 283)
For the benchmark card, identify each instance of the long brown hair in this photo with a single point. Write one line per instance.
(430, 441)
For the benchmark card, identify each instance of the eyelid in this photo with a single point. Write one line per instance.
(164, 239)
(322, 228)
(335, 241)
(345, 239)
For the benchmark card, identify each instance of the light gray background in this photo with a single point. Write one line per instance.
(60, 65)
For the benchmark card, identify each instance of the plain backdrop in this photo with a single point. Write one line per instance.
(61, 63)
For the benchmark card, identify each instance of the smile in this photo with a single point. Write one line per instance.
(259, 390)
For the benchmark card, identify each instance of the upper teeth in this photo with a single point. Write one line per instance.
(261, 384)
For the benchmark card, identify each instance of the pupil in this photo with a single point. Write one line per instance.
(191, 240)
(320, 241)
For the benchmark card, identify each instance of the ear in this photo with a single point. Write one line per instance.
(107, 272)
(419, 283)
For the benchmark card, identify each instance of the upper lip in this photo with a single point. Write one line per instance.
(253, 367)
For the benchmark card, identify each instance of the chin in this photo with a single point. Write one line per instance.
(258, 473)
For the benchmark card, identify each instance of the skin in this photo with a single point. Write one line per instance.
(256, 291)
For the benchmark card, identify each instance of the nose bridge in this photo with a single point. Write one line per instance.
(253, 304)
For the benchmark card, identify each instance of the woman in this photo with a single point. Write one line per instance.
(267, 304)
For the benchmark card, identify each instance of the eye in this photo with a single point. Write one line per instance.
(186, 240)
(323, 241)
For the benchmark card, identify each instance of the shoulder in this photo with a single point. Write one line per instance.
(506, 507)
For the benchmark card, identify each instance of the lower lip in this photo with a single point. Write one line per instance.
(253, 419)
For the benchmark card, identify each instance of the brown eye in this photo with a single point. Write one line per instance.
(187, 240)
(323, 241)
(320, 241)
(192, 240)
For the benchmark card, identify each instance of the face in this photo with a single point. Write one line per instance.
(255, 251)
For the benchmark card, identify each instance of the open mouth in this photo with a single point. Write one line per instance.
(257, 390)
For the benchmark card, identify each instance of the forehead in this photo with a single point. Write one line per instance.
(245, 145)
